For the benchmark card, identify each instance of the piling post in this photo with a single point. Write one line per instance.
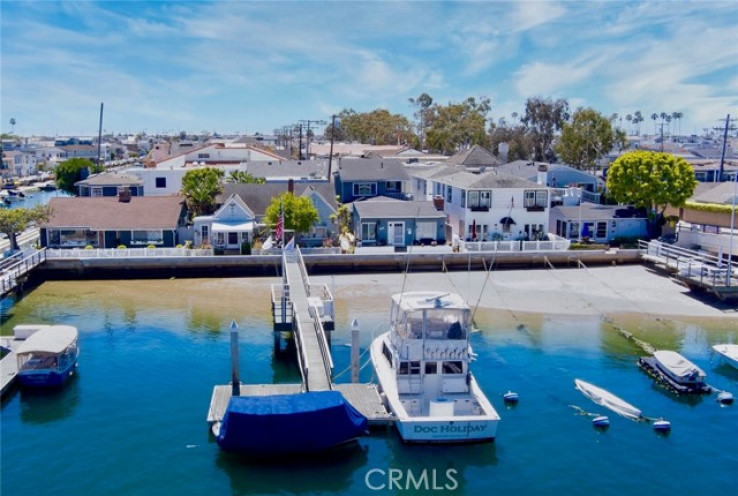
(355, 351)
(235, 376)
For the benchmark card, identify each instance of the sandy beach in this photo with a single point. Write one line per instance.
(602, 291)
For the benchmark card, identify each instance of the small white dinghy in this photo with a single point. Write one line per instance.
(729, 353)
(608, 400)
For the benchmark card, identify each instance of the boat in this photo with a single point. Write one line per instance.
(288, 424)
(676, 372)
(422, 367)
(47, 186)
(729, 353)
(47, 356)
(605, 398)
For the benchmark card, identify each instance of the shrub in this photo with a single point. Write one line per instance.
(88, 247)
(122, 247)
(245, 248)
(150, 245)
(588, 246)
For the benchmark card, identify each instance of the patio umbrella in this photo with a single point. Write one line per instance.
(474, 230)
(585, 231)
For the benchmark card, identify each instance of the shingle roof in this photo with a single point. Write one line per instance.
(721, 193)
(290, 168)
(491, 179)
(372, 169)
(259, 196)
(389, 208)
(101, 213)
(475, 156)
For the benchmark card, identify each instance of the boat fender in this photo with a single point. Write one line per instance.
(725, 398)
(601, 421)
(662, 425)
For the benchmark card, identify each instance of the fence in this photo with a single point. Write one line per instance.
(520, 246)
(127, 252)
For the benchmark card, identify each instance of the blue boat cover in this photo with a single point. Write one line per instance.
(290, 423)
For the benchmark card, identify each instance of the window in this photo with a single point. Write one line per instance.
(601, 230)
(203, 155)
(393, 185)
(463, 198)
(365, 189)
(431, 368)
(368, 231)
(574, 230)
(425, 230)
(414, 368)
(161, 182)
(205, 234)
(480, 200)
(448, 194)
(146, 237)
(452, 368)
(404, 368)
(96, 192)
(535, 199)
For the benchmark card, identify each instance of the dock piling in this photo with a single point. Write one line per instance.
(235, 376)
(355, 351)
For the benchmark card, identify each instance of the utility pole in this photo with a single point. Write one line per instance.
(330, 153)
(307, 135)
(99, 135)
(725, 129)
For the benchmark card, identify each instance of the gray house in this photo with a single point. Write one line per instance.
(358, 178)
(388, 221)
(599, 223)
(109, 184)
(552, 175)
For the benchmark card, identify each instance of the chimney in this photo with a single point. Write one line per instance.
(291, 186)
(543, 174)
(438, 202)
(124, 195)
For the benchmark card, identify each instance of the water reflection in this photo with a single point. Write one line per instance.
(42, 406)
(330, 472)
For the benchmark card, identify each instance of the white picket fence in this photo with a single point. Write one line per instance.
(521, 246)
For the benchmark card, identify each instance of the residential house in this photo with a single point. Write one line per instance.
(259, 196)
(108, 222)
(599, 223)
(475, 158)
(109, 184)
(358, 178)
(19, 164)
(228, 228)
(553, 175)
(486, 205)
(388, 221)
(296, 170)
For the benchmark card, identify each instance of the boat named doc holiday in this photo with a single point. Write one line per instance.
(422, 366)
(48, 355)
(676, 372)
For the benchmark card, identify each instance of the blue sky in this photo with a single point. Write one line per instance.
(237, 66)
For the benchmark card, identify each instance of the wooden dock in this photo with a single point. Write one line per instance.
(8, 366)
(15, 269)
(364, 397)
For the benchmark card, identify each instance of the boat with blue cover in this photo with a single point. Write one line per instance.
(288, 424)
(48, 355)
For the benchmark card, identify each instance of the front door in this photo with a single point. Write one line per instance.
(396, 233)
(232, 239)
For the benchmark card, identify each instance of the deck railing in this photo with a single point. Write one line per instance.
(515, 246)
(128, 252)
(18, 267)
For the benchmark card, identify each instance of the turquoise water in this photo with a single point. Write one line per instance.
(37, 197)
(133, 419)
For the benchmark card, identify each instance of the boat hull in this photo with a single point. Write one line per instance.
(729, 353)
(45, 378)
(434, 429)
(653, 368)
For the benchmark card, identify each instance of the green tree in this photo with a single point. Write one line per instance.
(587, 138)
(652, 180)
(243, 177)
(14, 221)
(70, 171)
(423, 103)
(200, 187)
(299, 212)
(457, 125)
(377, 127)
(518, 139)
(544, 117)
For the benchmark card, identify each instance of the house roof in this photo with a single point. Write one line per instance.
(459, 178)
(721, 193)
(529, 170)
(111, 179)
(390, 208)
(476, 156)
(371, 169)
(259, 196)
(108, 213)
(595, 211)
(297, 169)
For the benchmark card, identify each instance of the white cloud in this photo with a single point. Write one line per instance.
(528, 15)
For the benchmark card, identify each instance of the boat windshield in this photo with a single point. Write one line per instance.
(440, 323)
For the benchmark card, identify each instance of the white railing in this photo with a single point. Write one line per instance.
(127, 252)
(519, 246)
(717, 243)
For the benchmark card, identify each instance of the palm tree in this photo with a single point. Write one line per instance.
(678, 117)
(654, 116)
(628, 118)
(12, 123)
(637, 119)
(668, 122)
(514, 116)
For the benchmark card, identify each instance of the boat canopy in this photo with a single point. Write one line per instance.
(51, 340)
(678, 365)
(289, 423)
(425, 315)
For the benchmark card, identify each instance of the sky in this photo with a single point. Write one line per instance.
(256, 66)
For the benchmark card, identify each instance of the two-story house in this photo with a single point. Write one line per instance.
(358, 178)
(109, 184)
(486, 205)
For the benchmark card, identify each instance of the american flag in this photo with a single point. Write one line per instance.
(280, 224)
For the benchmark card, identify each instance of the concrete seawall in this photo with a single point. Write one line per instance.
(269, 265)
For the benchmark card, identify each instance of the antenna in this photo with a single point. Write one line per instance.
(307, 134)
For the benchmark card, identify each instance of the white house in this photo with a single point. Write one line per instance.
(230, 226)
(486, 205)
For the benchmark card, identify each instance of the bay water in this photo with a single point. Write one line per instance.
(133, 419)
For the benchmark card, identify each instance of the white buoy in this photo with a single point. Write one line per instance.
(724, 398)
(510, 397)
(661, 425)
(601, 421)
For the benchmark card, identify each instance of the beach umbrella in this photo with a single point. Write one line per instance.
(585, 231)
